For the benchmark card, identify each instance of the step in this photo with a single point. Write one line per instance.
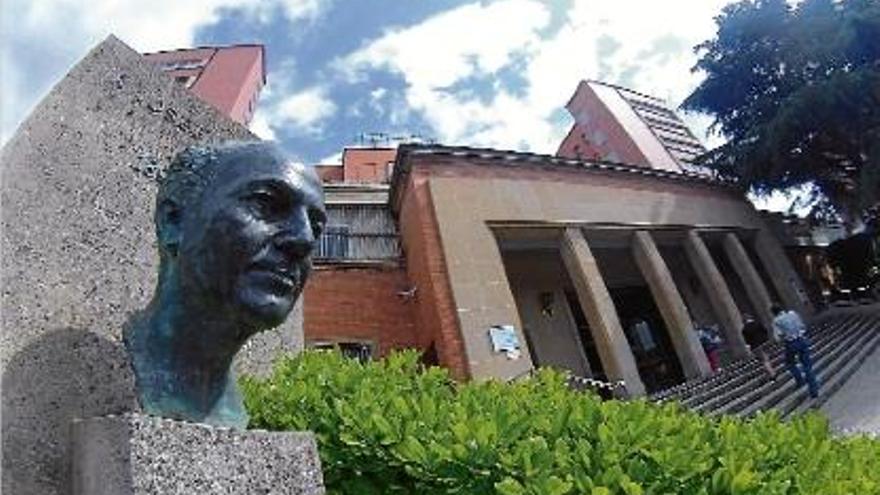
(684, 392)
(798, 404)
(759, 381)
(770, 394)
(768, 397)
(794, 396)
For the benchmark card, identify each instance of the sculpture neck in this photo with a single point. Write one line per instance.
(182, 353)
(193, 333)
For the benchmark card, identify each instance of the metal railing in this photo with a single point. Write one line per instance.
(341, 246)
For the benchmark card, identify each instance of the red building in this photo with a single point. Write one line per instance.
(617, 124)
(228, 78)
(600, 260)
(359, 296)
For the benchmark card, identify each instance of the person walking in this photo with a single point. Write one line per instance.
(756, 335)
(711, 343)
(790, 327)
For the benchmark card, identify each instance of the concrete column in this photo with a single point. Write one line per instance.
(719, 294)
(614, 351)
(672, 308)
(782, 274)
(750, 278)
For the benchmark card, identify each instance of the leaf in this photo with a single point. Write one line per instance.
(509, 486)
(370, 443)
(743, 482)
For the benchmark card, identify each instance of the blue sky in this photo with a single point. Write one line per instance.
(483, 73)
(493, 73)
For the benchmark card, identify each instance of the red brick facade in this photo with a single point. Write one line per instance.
(228, 78)
(357, 303)
(435, 316)
(329, 173)
(367, 165)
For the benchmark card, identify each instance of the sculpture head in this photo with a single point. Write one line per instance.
(236, 225)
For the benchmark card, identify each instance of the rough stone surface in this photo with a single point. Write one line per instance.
(134, 454)
(77, 191)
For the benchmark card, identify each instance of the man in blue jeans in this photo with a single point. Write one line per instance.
(790, 327)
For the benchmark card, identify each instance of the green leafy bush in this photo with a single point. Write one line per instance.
(390, 427)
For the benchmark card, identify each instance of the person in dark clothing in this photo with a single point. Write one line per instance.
(755, 335)
(711, 343)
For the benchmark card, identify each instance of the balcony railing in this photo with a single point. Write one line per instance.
(345, 246)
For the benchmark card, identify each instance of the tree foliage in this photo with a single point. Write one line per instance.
(796, 92)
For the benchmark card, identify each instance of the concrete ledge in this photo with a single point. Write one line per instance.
(135, 454)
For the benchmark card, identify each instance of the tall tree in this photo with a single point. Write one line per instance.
(796, 92)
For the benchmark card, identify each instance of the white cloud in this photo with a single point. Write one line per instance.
(448, 48)
(334, 159)
(598, 38)
(453, 44)
(294, 10)
(304, 111)
(262, 128)
(650, 56)
(52, 35)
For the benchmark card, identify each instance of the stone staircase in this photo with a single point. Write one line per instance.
(840, 343)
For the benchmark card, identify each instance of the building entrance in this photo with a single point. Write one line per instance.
(648, 337)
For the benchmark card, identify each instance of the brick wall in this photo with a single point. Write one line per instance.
(576, 145)
(367, 165)
(358, 303)
(435, 311)
(329, 173)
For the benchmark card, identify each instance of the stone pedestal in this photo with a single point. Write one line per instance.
(78, 188)
(134, 454)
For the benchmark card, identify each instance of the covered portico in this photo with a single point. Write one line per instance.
(583, 290)
(574, 254)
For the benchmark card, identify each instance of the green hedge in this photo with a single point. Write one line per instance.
(390, 427)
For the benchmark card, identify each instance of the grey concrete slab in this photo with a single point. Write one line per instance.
(855, 408)
(134, 454)
(78, 257)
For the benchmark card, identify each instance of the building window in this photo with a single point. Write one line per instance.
(362, 351)
(185, 81)
(182, 64)
(333, 243)
(358, 232)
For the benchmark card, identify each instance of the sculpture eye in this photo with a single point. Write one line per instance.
(265, 204)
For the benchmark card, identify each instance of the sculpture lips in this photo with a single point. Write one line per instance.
(281, 279)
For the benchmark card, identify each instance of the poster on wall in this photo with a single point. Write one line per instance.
(504, 340)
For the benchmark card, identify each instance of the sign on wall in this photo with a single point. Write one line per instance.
(504, 339)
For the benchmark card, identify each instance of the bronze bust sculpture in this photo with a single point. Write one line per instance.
(236, 225)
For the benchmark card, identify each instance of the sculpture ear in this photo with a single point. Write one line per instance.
(169, 218)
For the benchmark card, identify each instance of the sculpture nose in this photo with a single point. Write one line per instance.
(295, 245)
(297, 239)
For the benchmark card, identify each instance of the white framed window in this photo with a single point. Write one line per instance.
(334, 242)
(361, 350)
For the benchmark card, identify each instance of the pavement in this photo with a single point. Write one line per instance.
(855, 408)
